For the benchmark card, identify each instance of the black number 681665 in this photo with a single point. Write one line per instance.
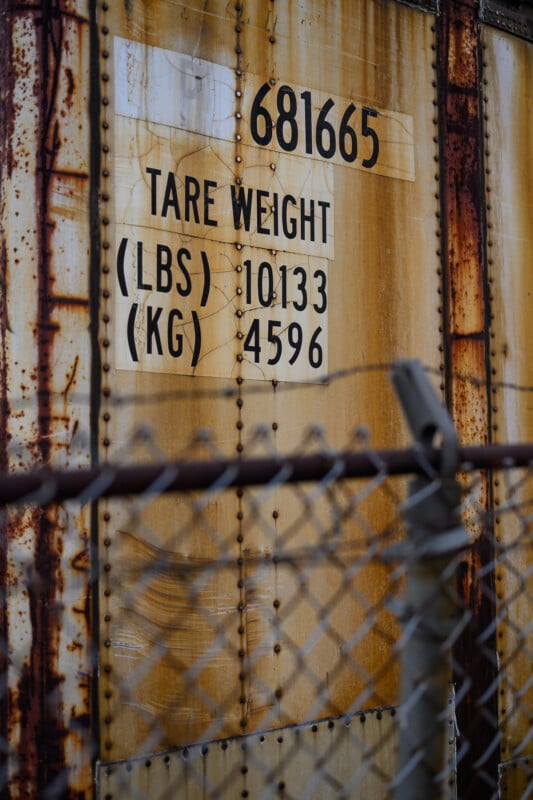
(319, 134)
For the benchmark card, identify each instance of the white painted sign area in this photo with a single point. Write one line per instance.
(222, 259)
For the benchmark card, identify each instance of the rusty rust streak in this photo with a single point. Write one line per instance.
(66, 173)
(466, 318)
(42, 754)
(6, 165)
(63, 300)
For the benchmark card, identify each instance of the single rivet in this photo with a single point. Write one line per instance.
(277, 648)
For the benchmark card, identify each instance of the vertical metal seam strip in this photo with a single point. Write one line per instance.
(96, 387)
(466, 317)
(6, 121)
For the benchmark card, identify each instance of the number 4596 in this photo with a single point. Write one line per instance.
(295, 343)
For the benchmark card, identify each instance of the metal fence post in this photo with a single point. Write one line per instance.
(435, 536)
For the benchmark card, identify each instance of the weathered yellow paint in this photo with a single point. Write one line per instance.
(508, 108)
(361, 762)
(201, 627)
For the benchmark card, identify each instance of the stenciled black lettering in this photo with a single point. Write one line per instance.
(207, 279)
(307, 218)
(323, 206)
(261, 211)
(241, 202)
(275, 216)
(140, 277)
(152, 330)
(163, 268)
(184, 288)
(170, 199)
(153, 187)
(288, 224)
(209, 201)
(175, 340)
(192, 193)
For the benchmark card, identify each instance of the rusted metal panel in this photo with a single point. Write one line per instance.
(508, 109)
(466, 318)
(373, 210)
(45, 359)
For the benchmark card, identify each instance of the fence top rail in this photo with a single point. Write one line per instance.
(49, 485)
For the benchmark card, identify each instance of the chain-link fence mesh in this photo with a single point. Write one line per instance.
(283, 633)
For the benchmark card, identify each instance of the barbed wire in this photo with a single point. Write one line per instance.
(246, 387)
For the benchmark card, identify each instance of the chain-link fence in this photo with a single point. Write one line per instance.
(331, 624)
